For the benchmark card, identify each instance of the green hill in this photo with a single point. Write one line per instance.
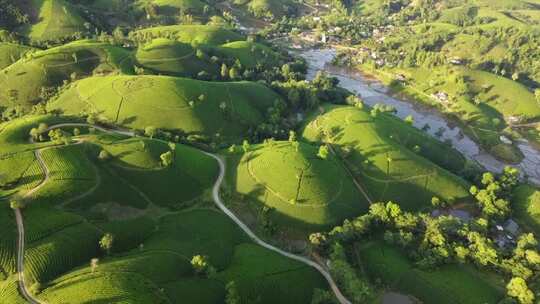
(305, 190)
(191, 34)
(53, 20)
(10, 53)
(268, 8)
(176, 58)
(21, 83)
(173, 57)
(174, 7)
(526, 205)
(381, 153)
(195, 107)
(163, 263)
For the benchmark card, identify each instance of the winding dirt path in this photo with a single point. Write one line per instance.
(216, 197)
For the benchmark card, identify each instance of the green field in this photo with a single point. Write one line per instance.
(163, 263)
(21, 83)
(191, 34)
(306, 191)
(170, 103)
(447, 284)
(526, 205)
(173, 7)
(383, 158)
(53, 20)
(10, 53)
(173, 57)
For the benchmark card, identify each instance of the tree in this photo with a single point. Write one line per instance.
(166, 159)
(104, 155)
(224, 71)
(292, 136)
(233, 73)
(150, 131)
(201, 265)
(245, 145)
(16, 204)
(517, 288)
(94, 263)
(232, 296)
(323, 152)
(318, 240)
(106, 242)
(409, 119)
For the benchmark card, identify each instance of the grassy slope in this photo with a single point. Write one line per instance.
(163, 262)
(449, 284)
(173, 7)
(51, 67)
(201, 34)
(10, 53)
(305, 190)
(54, 19)
(173, 57)
(163, 102)
(526, 205)
(410, 179)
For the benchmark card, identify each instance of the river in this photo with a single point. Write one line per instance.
(373, 92)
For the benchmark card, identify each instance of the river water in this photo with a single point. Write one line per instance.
(373, 92)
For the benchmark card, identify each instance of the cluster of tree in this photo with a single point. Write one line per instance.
(11, 16)
(433, 241)
(493, 197)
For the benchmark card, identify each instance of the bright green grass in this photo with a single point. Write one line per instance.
(382, 157)
(526, 204)
(305, 190)
(61, 251)
(9, 53)
(71, 174)
(8, 238)
(14, 135)
(195, 291)
(250, 54)
(42, 221)
(136, 153)
(21, 82)
(163, 262)
(103, 288)
(263, 274)
(199, 34)
(173, 57)
(173, 7)
(9, 291)
(448, 284)
(507, 97)
(55, 19)
(199, 231)
(128, 234)
(191, 174)
(164, 102)
(14, 168)
(267, 8)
